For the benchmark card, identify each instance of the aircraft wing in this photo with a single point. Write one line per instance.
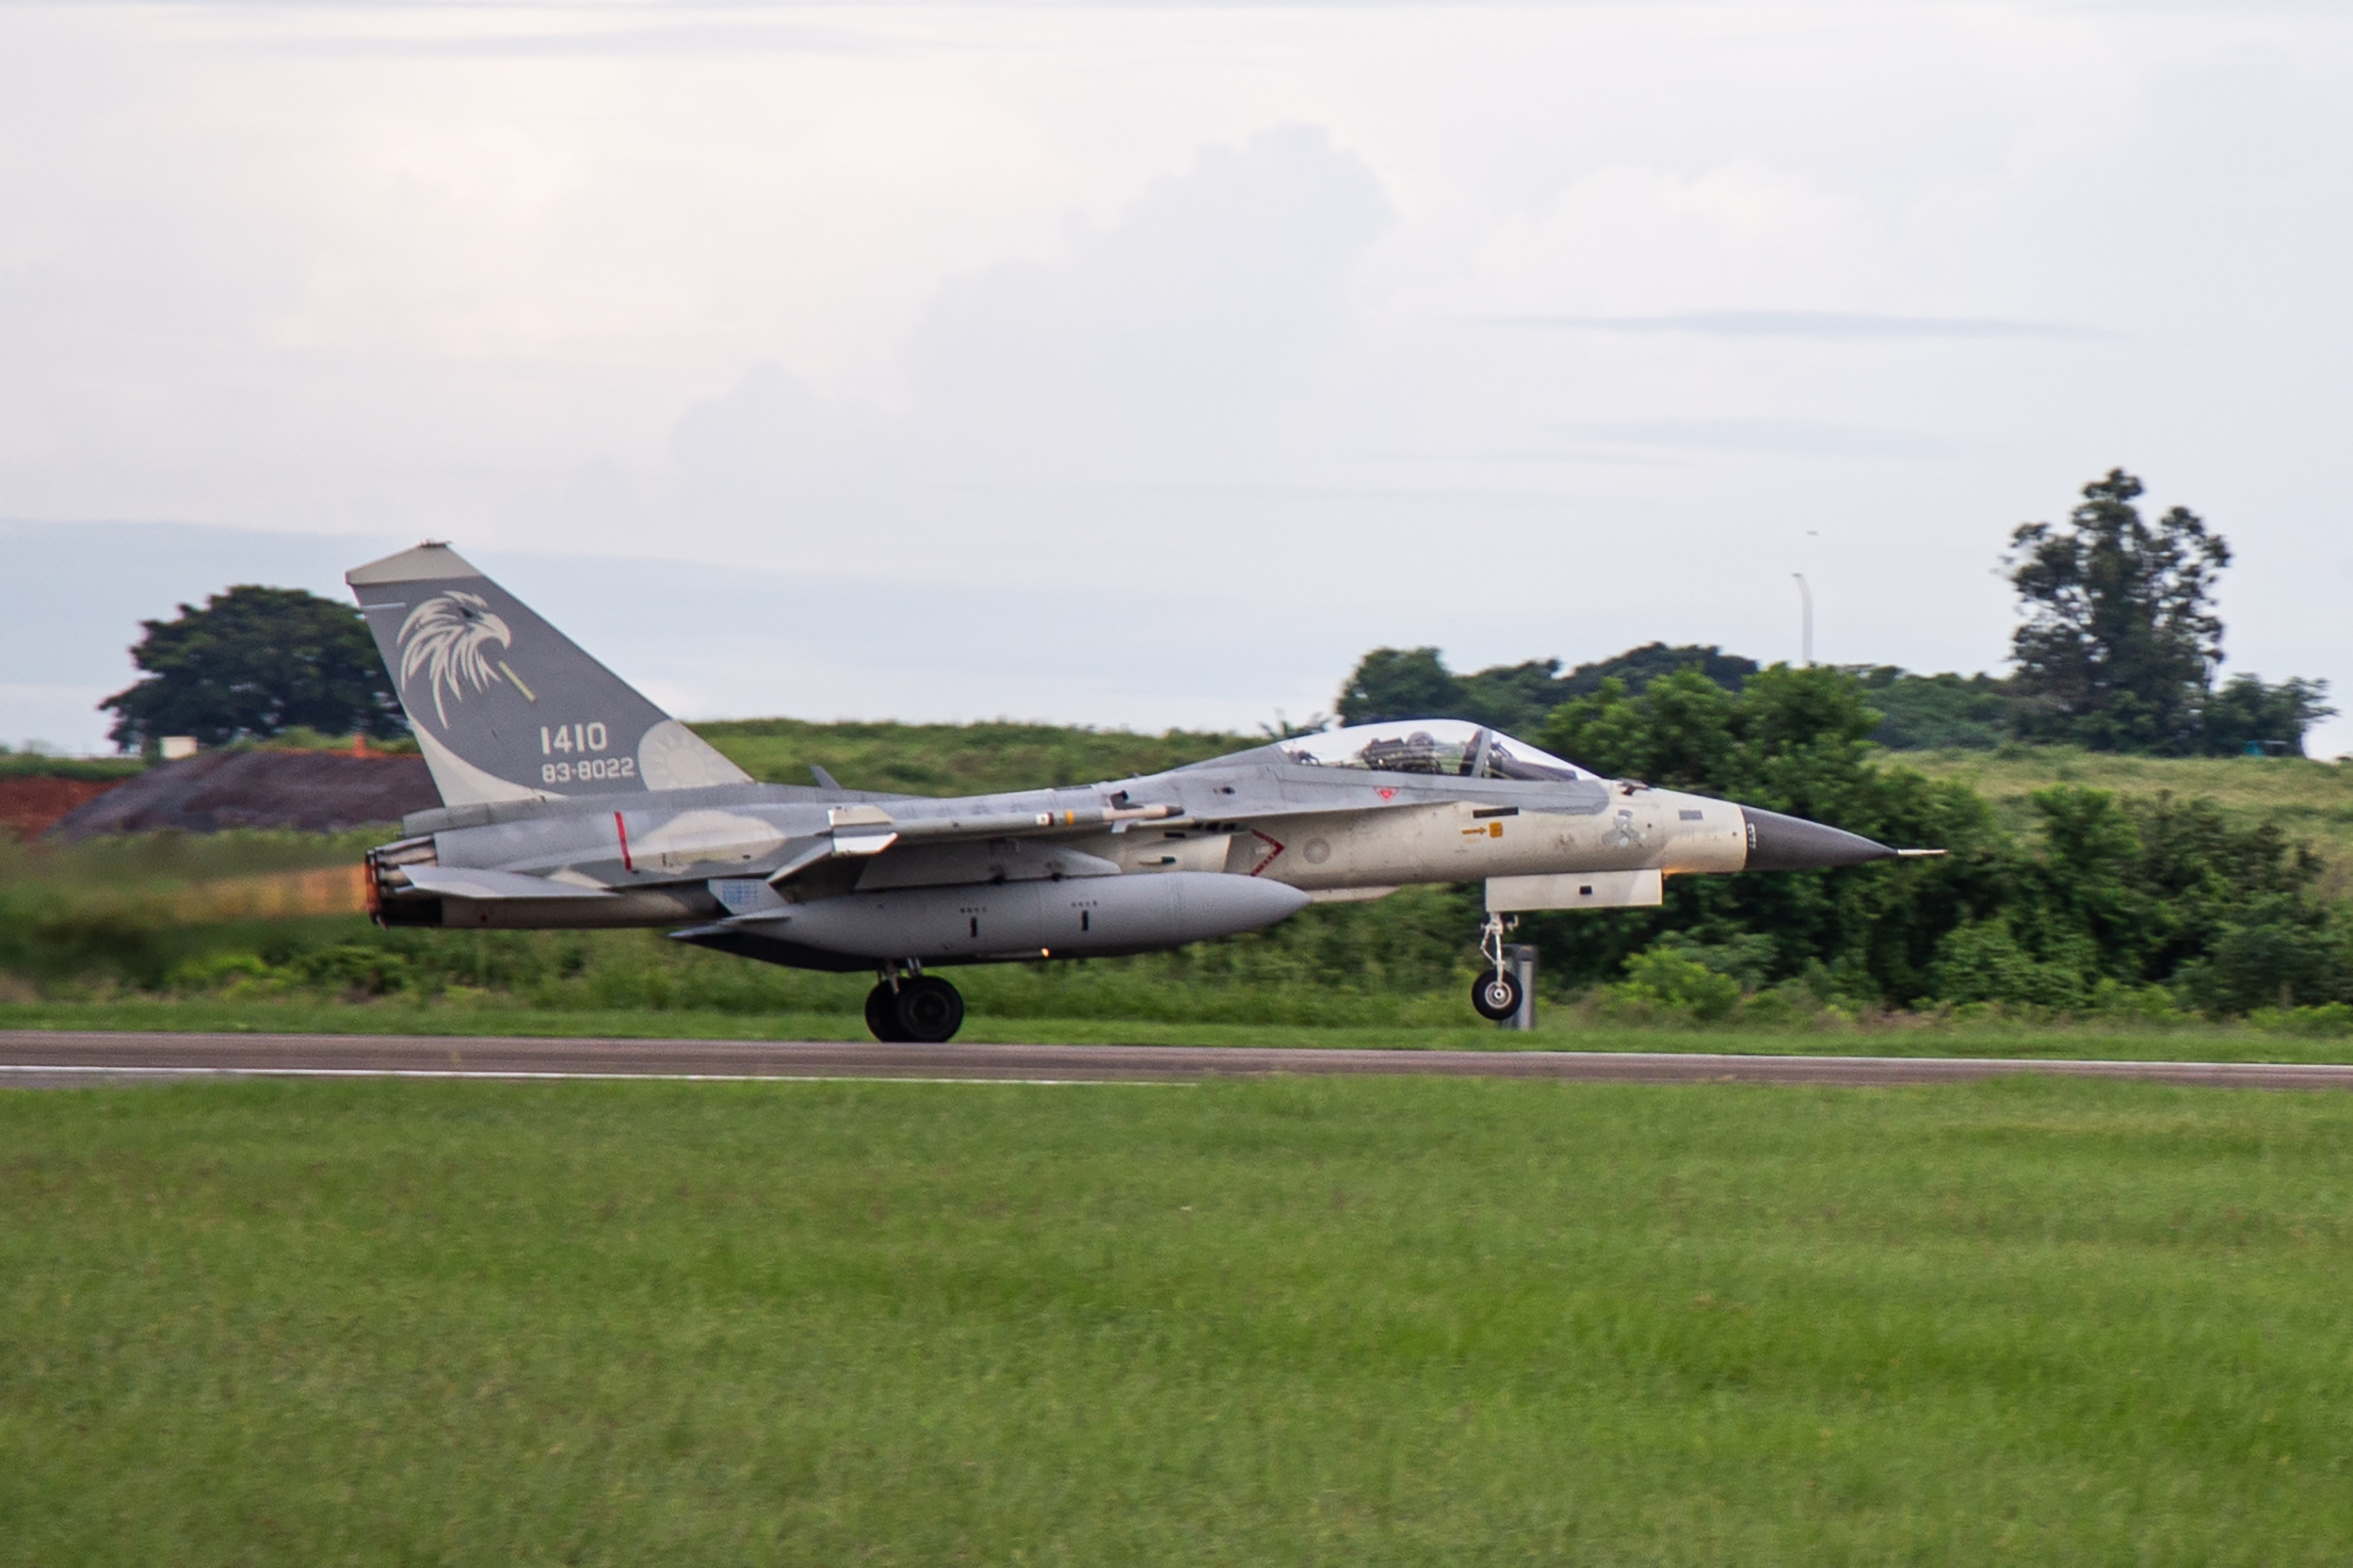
(905, 836)
(869, 830)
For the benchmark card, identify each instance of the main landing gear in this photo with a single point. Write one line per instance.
(914, 1009)
(1496, 994)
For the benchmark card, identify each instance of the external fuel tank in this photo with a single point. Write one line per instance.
(1071, 918)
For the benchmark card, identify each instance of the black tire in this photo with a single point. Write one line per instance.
(929, 1011)
(1496, 996)
(882, 1014)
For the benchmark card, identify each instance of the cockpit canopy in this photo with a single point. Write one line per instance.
(1453, 748)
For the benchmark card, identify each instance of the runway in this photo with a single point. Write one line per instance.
(60, 1057)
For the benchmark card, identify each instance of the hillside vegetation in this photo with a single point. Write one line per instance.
(41, 765)
(957, 758)
(2303, 797)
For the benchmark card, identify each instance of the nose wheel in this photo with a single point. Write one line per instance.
(913, 1010)
(1496, 995)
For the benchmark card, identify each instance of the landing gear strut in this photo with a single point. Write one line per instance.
(1496, 994)
(915, 1009)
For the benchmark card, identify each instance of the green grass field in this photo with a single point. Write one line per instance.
(1345, 1322)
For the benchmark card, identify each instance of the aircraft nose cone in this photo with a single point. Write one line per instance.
(1777, 842)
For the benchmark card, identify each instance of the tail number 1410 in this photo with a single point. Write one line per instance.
(574, 739)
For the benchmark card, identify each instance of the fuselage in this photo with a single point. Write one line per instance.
(571, 801)
(835, 878)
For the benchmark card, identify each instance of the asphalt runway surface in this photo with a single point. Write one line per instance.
(59, 1057)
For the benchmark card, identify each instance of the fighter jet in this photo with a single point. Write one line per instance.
(569, 801)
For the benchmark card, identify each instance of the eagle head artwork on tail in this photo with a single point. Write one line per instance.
(459, 646)
(444, 638)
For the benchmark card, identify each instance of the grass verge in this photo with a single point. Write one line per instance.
(1351, 1323)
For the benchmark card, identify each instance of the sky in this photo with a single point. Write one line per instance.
(1143, 364)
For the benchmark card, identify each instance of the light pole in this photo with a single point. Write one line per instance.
(1805, 618)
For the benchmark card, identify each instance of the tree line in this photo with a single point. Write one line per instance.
(2118, 650)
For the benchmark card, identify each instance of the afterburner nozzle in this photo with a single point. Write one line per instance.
(1777, 842)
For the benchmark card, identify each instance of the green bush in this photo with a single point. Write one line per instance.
(2330, 1022)
(219, 971)
(1669, 977)
(355, 969)
(2282, 958)
(1982, 962)
(2136, 1004)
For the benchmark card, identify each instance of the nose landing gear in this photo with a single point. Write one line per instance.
(913, 1010)
(1497, 993)
(1496, 996)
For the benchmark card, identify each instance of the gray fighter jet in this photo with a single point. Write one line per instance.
(572, 802)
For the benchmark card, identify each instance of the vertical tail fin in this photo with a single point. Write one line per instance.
(505, 707)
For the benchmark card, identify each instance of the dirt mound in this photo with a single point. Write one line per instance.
(316, 791)
(31, 806)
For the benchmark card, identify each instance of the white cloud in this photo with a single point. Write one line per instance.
(1181, 345)
(1628, 239)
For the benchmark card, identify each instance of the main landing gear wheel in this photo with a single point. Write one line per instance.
(882, 1014)
(928, 1011)
(1496, 995)
(920, 1010)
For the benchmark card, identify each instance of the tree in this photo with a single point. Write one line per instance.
(1399, 683)
(251, 662)
(1414, 682)
(1925, 713)
(2120, 642)
(1514, 698)
(2249, 717)
(1638, 667)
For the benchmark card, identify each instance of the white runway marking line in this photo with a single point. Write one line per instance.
(600, 1077)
